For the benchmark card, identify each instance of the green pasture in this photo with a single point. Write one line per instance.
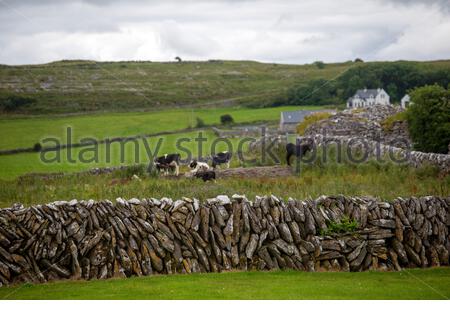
(120, 153)
(281, 285)
(25, 132)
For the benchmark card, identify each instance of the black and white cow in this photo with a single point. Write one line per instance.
(197, 166)
(206, 175)
(298, 150)
(221, 158)
(167, 163)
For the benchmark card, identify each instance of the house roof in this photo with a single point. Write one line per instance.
(366, 93)
(294, 116)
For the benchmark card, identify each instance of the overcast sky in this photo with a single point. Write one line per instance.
(285, 31)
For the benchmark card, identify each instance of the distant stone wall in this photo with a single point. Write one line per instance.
(373, 148)
(98, 240)
(92, 142)
(398, 135)
(244, 131)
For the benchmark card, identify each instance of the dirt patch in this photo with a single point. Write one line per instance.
(255, 172)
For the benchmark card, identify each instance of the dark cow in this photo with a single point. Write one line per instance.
(221, 158)
(205, 175)
(167, 163)
(297, 150)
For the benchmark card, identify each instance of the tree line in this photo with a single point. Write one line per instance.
(397, 78)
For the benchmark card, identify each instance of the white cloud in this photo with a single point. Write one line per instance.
(283, 31)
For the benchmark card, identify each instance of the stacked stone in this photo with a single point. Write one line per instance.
(98, 240)
(372, 148)
(364, 123)
(405, 233)
(398, 135)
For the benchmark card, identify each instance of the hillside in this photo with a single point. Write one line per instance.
(78, 86)
(86, 86)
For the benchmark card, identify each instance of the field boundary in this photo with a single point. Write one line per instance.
(101, 239)
(97, 142)
(214, 129)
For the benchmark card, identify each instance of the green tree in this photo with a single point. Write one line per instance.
(392, 91)
(13, 103)
(314, 92)
(319, 64)
(429, 118)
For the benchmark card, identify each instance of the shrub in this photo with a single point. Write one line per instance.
(388, 123)
(310, 119)
(226, 119)
(37, 147)
(319, 64)
(14, 102)
(429, 119)
(200, 123)
(346, 225)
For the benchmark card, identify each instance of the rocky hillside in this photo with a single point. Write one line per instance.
(77, 86)
(364, 123)
(86, 86)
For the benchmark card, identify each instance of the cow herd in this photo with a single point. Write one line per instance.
(170, 163)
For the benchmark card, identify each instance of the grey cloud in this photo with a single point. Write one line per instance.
(443, 4)
(281, 31)
(174, 38)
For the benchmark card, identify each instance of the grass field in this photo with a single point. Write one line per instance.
(12, 166)
(408, 284)
(89, 86)
(384, 181)
(25, 132)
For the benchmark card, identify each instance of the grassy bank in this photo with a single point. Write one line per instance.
(384, 181)
(408, 284)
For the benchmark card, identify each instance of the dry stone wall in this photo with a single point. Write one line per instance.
(98, 240)
(376, 149)
(365, 123)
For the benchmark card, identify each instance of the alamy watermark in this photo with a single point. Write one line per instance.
(247, 150)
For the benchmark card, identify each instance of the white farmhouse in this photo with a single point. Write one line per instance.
(406, 100)
(368, 98)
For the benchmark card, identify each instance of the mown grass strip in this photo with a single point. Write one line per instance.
(408, 284)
